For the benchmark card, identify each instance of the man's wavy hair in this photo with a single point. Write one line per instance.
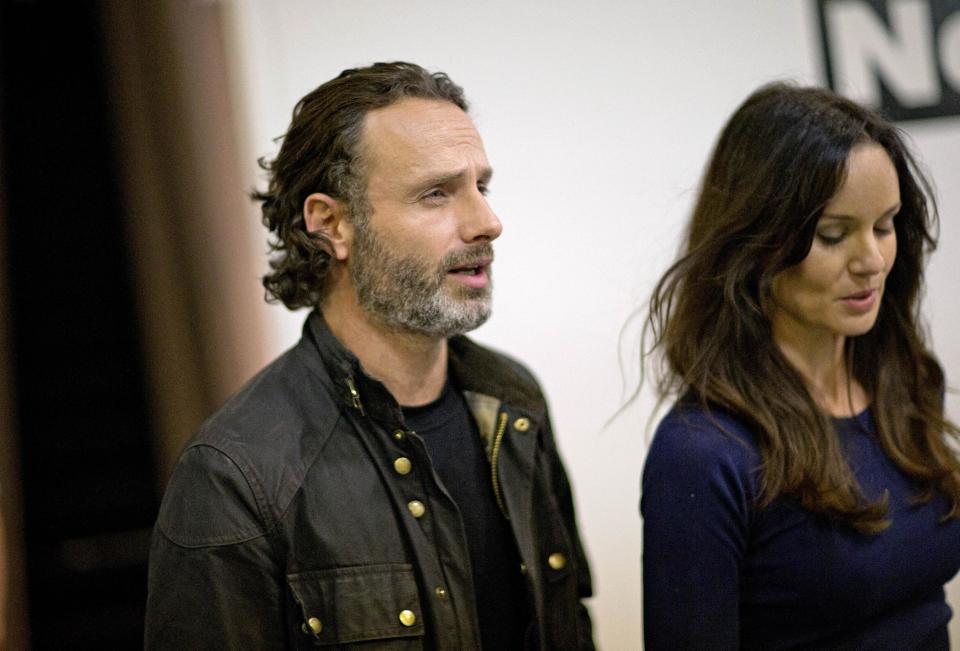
(778, 161)
(322, 152)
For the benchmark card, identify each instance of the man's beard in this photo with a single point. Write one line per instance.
(405, 294)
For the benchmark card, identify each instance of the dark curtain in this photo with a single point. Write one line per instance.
(188, 212)
(130, 306)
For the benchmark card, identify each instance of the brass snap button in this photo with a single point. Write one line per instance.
(417, 509)
(407, 618)
(557, 561)
(402, 465)
(521, 424)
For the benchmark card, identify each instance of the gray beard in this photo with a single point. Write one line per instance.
(402, 293)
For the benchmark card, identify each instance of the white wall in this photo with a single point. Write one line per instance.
(598, 118)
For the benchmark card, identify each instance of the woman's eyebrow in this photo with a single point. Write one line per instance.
(843, 217)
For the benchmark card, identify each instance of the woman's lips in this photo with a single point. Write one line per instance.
(861, 301)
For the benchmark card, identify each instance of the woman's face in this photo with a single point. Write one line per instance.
(836, 290)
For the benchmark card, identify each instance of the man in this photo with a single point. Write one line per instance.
(386, 482)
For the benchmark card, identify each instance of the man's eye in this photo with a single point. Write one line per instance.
(483, 188)
(436, 193)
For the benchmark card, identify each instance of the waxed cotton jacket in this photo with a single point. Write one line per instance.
(304, 514)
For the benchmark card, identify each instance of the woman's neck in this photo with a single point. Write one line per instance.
(822, 363)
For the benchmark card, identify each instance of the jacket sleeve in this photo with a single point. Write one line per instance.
(214, 581)
(564, 495)
(695, 501)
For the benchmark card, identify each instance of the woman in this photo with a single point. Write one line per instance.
(802, 492)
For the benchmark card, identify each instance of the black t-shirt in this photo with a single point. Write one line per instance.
(450, 434)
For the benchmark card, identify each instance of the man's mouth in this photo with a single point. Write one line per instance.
(475, 275)
(470, 270)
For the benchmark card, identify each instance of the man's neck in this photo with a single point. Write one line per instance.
(413, 367)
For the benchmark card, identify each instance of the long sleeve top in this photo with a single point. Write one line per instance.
(721, 573)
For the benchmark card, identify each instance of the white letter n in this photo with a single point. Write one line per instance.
(863, 50)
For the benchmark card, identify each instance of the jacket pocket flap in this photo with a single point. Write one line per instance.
(359, 603)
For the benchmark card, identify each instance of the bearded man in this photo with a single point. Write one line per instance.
(387, 483)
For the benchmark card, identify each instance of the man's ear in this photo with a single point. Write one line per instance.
(326, 217)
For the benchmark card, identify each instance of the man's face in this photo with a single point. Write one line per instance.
(420, 262)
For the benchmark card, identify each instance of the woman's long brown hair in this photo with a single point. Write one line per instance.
(778, 161)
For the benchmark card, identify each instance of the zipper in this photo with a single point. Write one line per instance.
(497, 439)
(355, 397)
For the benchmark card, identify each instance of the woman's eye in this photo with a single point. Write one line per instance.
(830, 238)
(885, 227)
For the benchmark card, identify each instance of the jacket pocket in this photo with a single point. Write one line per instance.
(359, 607)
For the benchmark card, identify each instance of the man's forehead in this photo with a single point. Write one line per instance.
(414, 129)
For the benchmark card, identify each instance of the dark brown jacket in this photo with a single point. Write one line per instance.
(286, 523)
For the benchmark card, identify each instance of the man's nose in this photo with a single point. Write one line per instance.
(478, 222)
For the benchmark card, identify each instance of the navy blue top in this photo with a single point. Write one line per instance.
(720, 573)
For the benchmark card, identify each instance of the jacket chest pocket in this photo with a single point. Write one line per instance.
(360, 607)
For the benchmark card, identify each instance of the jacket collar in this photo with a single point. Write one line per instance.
(353, 388)
(479, 370)
(473, 369)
